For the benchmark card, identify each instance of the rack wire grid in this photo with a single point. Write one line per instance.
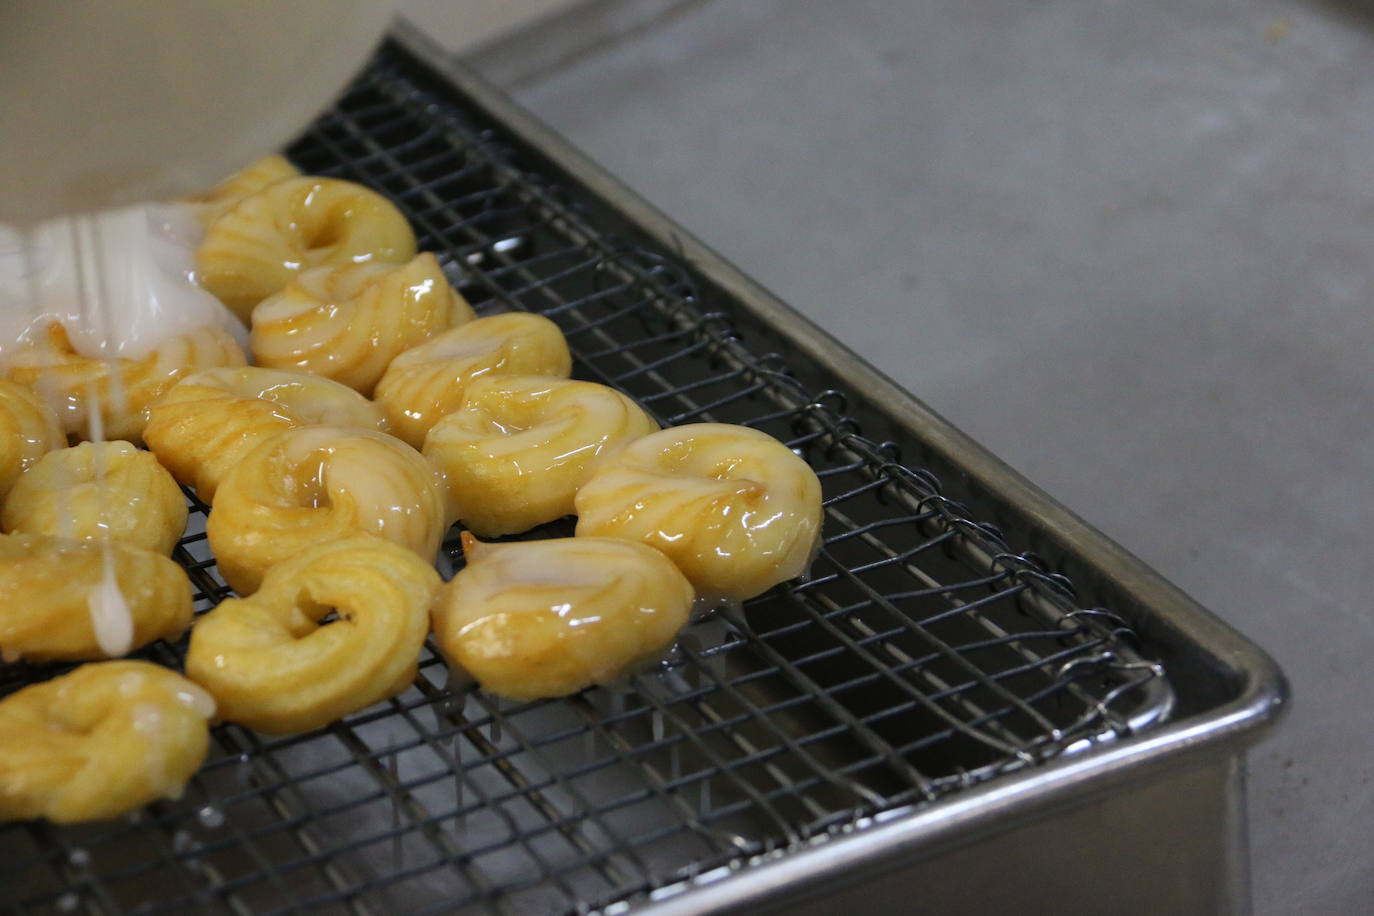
(921, 655)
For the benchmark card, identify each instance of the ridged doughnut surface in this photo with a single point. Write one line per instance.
(255, 247)
(55, 603)
(536, 619)
(320, 483)
(209, 422)
(248, 180)
(99, 490)
(734, 508)
(28, 430)
(100, 741)
(347, 322)
(272, 666)
(427, 382)
(123, 389)
(518, 448)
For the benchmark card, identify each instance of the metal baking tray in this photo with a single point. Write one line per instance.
(973, 698)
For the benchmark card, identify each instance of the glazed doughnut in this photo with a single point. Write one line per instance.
(272, 666)
(123, 388)
(734, 508)
(534, 619)
(427, 382)
(100, 741)
(99, 490)
(57, 602)
(320, 483)
(518, 448)
(208, 422)
(248, 180)
(255, 247)
(347, 322)
(28, 429)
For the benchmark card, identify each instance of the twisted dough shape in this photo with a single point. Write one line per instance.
(271, 666)
(122, 389)
(209, 422)
(248, 180)
(348, 322)
(49, 587)
(427, 382)
(99, 490)
(537, 619)
(255, 247)
(100, 741)
(517, 450)
(321, 483)
(734, 508)
(28, 429)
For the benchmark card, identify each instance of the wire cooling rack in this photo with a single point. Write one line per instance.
(921, 656)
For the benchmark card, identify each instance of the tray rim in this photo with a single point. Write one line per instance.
(1208, 736)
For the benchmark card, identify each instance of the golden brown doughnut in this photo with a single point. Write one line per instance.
(99, 490)
(427, 382)
(734, 508)
(100, 741)
(28, 430)
(347, 322)
(272, 666)
(248, 180)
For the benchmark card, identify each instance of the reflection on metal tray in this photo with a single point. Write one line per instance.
(925, 654)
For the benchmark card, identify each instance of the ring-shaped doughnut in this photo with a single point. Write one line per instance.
(734, 508)
(56, 602)
(255, 247)
(347, 322)
(272, 666)
(100, 741)
(427, 382)
(518, 448)
(321, 483)
(99, 490)
(533, 619)
(28, 430)
(250, 179)
(123, 389)
(208, 422)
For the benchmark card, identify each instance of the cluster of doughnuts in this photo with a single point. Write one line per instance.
(379, 411)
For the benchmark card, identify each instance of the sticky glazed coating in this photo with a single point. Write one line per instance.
(209, 422)
(533, 619)
(65, 600)
(121, 390)
(734, 508)
(250, 179)
(28, 430)
(321, 483)
(427, 382)
(515, 452)
(347, 322)
(100, 741)
(272, 666)
(254, 248)
(99, 490)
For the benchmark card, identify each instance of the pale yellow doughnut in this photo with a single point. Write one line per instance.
(99, 490)
(734, 508)
(51, 588)
(533, 619)
(209, 422)
(427, 382)
(347, 322)
(519, 447)
(123, 388)
(255, 247)
(100, 741)
(28, 429)
(320, 483)
(248, 180)
(272, 667)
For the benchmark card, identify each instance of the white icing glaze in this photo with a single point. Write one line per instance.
(110, 617)
(195, 698)
(120, 281)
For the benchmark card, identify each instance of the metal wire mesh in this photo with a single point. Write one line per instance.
(921, 655)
